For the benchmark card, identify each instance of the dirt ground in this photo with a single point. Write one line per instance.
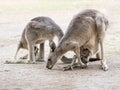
(15, 15)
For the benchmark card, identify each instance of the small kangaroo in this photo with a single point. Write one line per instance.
(86, 30)
(41, 29)
(37, 31)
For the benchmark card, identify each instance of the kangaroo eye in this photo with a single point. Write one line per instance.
(49, 59)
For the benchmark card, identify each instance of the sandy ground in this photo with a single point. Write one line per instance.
(36, 76)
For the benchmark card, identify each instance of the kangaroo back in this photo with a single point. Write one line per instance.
(101, 26)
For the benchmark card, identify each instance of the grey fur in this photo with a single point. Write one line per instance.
(42, 28)
(37, 31)
(86, 30)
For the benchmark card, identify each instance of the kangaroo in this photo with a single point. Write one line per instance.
(23, 42)
(37, 31)
(86, 30)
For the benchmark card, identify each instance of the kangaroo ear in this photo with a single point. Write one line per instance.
(52, 46)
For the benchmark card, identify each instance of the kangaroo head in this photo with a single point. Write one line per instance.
(52, 59)
(57, 52)
(84, 55)
(54, 55)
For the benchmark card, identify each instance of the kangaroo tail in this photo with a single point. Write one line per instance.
(19, 46)
(101, 26)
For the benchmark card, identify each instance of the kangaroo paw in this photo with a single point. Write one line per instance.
(69, 67)
(40, 60)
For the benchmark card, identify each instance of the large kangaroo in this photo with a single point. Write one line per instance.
(86, 30)
(37, 31)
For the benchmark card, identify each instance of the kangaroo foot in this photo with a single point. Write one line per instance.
(40, 60)
(84, 66)
(24, 57)
(104, 67)
(30, 62)
(70, 67)
(75, 65)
